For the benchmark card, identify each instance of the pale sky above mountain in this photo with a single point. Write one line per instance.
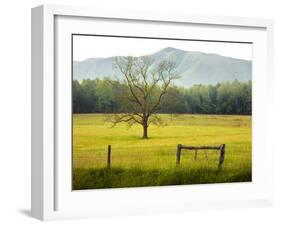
(85, 47)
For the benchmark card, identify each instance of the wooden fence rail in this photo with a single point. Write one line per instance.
(179, 149)
(220, 147)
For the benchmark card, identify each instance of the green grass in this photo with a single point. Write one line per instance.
(137, 162)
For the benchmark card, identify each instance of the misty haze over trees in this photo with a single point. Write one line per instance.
(105, 96)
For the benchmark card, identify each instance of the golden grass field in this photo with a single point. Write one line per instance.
(152, 162)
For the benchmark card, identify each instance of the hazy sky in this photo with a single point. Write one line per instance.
(85, 47)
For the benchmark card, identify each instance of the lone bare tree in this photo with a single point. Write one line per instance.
(147, 84)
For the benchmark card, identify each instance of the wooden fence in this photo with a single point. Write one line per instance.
(179, 149)
(196, 148)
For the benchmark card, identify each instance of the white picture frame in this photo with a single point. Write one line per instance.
(53, 199)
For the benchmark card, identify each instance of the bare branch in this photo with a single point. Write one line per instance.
(156, 120)
(147, 83)
(130, 118)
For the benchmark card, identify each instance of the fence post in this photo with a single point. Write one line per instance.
(179, 154)
(222, 152)
(109, 156)
(195, 157)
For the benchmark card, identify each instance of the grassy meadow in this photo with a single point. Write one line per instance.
(138, 162)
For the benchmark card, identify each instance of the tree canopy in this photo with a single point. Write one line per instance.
(147, 84)
(105, 96)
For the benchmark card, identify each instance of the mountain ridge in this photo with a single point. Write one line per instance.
(194, 67)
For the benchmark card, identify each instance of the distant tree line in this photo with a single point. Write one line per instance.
(106, 96)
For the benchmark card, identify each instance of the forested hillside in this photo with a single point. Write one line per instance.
(106, 95)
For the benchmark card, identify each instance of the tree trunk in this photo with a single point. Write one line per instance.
(145, 134)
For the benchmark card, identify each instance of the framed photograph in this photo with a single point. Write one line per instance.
(137, 112)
